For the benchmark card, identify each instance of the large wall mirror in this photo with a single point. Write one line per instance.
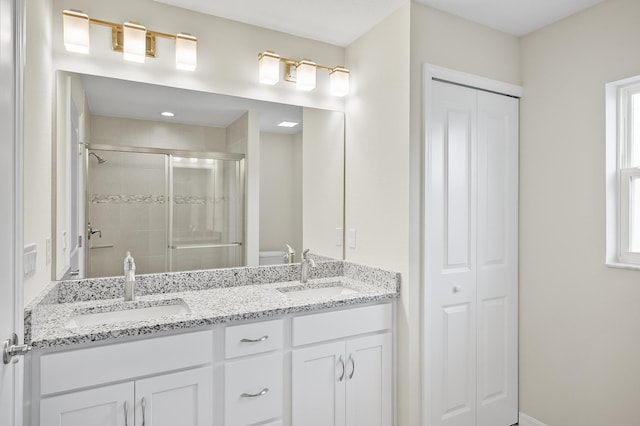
(188, 180)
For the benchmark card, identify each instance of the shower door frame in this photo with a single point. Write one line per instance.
(169, 154)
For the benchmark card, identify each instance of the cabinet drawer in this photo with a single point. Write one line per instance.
(340, 324)
(254, 338)
(253, 390)
(80, 368)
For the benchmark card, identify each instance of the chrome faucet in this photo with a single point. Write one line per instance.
(129, 278)
(305, 265)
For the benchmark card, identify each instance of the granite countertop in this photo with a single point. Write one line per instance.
(255, 294)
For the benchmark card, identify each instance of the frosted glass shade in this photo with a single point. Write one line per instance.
(339, 81)
(134, 42)
(75, 31)
(269, 64)
(186, 52)
(306, 75)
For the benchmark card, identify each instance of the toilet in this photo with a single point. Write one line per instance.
(271, 257)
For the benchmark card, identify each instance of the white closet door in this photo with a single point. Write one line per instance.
(450, 257)
(497, 267)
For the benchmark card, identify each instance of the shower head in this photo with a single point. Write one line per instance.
(100, 159)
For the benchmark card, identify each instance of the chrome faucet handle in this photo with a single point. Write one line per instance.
(307, 259)
(91, 230)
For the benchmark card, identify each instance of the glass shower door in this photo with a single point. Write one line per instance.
(206, 214)
(126, 211)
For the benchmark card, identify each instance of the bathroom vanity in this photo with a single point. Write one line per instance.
(239, 346)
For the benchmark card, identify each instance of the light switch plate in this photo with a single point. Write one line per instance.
(339, 237)
(30, 258)
(352, 238)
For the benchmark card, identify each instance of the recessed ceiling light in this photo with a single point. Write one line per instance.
(167, 114)
(288, 124)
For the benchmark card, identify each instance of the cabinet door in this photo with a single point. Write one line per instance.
(318, 385)
(368, 378)
(184, 398)
(104, 406)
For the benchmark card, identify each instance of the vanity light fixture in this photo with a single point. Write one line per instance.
(75, 31)
(186, 52)
(134, 46)
(303, 73)
(167, 114)
(131, 38)
(339, 81)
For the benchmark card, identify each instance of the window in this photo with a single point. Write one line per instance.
(623, 173)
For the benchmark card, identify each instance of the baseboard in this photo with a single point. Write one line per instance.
(525, 420)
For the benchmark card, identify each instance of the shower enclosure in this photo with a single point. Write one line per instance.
(173, 210)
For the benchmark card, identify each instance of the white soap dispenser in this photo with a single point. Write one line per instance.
(129, 277)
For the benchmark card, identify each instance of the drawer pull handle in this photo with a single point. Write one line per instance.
(255, 395)
(143, 403)
(341, 361)
(262, 339)
(353, 367)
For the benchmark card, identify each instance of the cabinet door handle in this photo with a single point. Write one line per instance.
(262, 339)
(353, 367)
(341, 361)
(254, 395)
(143, 403)
(126, 413)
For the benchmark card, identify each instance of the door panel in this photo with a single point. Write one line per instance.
(184, 398)
(104, 406)
(497, 260)
(368, 379)
(318, 385)
(451, 256)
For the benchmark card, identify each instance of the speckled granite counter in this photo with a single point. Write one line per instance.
(213, 297)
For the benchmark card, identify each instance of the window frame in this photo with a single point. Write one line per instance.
(620, 171)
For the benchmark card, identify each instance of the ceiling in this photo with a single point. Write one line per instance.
(340, 22)
(142, 101)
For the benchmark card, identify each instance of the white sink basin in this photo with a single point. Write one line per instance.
(135, 313)
(331, 290)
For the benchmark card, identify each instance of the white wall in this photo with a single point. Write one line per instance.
(377, 171)
(579, 320)
(322, 180)
(280, 192)
(38, 100)
(243, 137)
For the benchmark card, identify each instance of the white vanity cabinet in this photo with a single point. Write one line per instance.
(347, 381)
(328, 368)
(83, 387)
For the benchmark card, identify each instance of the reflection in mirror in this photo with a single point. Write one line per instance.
(216, 184)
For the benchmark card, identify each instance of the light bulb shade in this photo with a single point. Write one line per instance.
(134, 42)
(269, 63)
(306, 75)
(186, 52)
(75, 31)
(339, 81)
